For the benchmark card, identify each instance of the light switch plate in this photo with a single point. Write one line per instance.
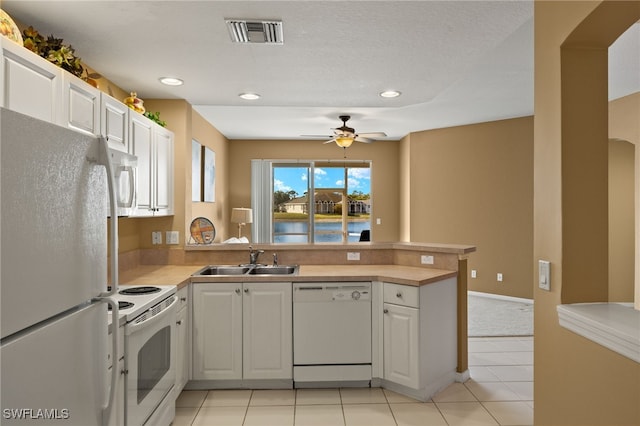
(353, 255)
(172, 237)
(426, 259)
(544, 275)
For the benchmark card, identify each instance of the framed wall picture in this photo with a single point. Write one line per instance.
(209, 175)
(196, 171)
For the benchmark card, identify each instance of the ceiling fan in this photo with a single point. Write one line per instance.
(344, 135)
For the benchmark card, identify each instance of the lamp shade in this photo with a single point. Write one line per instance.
(241, 215)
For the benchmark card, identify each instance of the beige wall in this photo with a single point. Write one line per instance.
(577, 382)
(474, 185)
(217, 211)
(384, 174)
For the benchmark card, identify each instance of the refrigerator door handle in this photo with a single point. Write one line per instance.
(113, 198)
(106, 409)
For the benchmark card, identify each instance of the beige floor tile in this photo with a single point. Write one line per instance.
(184, 416)
(220, 416)
(513, 373)
(417, 414)
(523, 389)
(465, 414)
(318, 396)
(368, 415)
(362, 396)
(491, 358)
(269, 416)
(492, 391)
(227, 398)
(511, 413)
(319, 415)
(482, 374)
(394, 397)
(456, 392)
(191, 398)
(273, 397)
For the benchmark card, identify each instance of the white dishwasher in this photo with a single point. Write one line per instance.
(331, 333)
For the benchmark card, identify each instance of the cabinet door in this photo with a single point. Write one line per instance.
(115, 123)
(32, 85)
(217, 331)
(81, 105)
(267, 327)
(401, 363)
(163, 193)
(182, 365)
(141, 138)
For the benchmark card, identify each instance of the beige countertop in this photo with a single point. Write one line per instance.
(180, 275)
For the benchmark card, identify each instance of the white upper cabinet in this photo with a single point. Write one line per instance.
(81, 105)
(114, 123)
(153, 145)
(32, 85)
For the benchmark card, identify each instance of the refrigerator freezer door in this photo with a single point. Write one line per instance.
(53, 224)
(57, 371)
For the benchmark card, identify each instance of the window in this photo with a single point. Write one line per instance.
(314, 201)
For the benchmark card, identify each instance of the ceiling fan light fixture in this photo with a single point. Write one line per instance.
(171, 81)
(390, 94)
(344, 141)
(249, 96)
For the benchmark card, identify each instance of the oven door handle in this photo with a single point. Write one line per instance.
(134, 326)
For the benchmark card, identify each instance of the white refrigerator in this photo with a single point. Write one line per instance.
(53, 274)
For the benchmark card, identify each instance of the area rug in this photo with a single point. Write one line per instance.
(490, 316)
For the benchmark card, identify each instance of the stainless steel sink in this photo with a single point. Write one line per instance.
(223, 270)
(274, 270)
(247, 269)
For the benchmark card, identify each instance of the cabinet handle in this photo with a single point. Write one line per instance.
(237, 291)
(246, 290)
(385, 311)
(183, 299)
(178, 322)
(399, 295)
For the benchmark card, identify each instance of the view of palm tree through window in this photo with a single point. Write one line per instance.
(340, 196)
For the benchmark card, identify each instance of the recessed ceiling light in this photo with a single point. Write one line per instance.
(390, 94)
(171, 81)
(249, 96)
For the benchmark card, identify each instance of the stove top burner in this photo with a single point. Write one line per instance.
(133, 291)
(122, 305)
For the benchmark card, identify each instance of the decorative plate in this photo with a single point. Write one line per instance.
(9, 29)
(202, 230)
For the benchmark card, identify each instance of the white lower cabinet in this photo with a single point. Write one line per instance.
(242, 331)
(419, 337)
(401, 362)
(183, 359)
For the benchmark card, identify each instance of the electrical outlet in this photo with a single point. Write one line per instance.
(172, 237)
(156, 237)
(353, 255)
(474, 273)
(378, 221)
(499, 277)
(544, 275)
(426, 259)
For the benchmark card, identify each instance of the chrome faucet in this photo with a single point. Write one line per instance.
(253, 255)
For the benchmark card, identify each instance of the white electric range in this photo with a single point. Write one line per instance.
(147, 317)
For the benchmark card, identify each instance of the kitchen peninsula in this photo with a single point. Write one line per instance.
(390, 267)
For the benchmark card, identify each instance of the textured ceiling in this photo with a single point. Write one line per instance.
(455, 62)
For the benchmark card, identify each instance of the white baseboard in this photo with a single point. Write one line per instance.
(500, 297)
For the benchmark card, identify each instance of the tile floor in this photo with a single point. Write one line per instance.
(500, 392)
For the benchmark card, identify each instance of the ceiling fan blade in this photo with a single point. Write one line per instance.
(373, 135)
(330, 141)
(360, 138)
(316, 136)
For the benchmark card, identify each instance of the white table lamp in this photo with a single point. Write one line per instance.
(241, 216)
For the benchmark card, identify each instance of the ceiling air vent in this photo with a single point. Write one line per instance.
(255, 31)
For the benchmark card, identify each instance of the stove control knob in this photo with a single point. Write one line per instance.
(355, 295)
